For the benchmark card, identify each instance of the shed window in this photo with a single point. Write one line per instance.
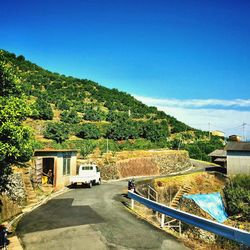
(66, 166)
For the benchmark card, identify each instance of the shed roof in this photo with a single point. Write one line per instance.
(219, 153)
(238, 146)
(56, 150)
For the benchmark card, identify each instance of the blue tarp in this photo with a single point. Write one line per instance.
(211, 203)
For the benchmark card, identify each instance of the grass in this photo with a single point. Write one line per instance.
(199, 182)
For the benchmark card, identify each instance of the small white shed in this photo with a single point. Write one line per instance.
(62, 163)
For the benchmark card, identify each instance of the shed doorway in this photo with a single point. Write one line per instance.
(48, 170)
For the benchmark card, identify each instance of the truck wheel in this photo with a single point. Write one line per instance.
(90, 184)
(99, 182)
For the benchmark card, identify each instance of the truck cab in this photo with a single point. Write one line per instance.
(87, 174)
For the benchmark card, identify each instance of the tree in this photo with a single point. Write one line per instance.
(94, 115)
(15, 143)
(21, 58)
(118, 131)
(15, 140)
(123, 130)
(70, 116)
(57, 131)
(115, 116)
(155, 131)
(42, 110)
(9, 83)
(89, 131)
(87, 148)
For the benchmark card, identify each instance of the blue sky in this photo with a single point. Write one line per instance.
(190, 58)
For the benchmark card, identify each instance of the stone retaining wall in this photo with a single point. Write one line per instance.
(142, 163)
(13, 197)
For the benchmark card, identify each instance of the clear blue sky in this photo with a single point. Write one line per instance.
(182, 49)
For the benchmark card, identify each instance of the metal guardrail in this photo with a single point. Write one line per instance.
(208, 225)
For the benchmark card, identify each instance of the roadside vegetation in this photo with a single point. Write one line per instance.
(237, 195)
(16, 142)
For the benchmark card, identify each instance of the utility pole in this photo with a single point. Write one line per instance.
(209, 129)
(107, 145)
(243, 131)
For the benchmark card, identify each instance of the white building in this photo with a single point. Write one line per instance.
(238, 158)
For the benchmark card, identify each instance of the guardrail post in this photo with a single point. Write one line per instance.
(180, 227)
(156, 199)
(132, 203)
(162, 220)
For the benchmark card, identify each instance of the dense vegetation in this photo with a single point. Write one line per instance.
(237, 194)
(15, 139)
(68, 107)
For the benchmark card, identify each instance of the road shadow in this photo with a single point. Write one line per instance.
(57, 213)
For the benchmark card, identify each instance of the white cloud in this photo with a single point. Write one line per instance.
(227, 120)
(194, 103)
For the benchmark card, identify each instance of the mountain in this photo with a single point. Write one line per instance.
(67, 92)
(82, 109)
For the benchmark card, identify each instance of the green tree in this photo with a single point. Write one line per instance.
(57, 131)
(89, 131)
(93, 115)
(9, 83)
(42, 110)
(70, 116)
(117, 116)
(155, 131)
(87, 148)
(119, 131)
(15, 140)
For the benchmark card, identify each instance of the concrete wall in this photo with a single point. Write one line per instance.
(238, 162)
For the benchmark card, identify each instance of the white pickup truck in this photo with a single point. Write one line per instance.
(88, 174)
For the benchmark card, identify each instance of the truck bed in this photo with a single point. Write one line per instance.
(82, 179)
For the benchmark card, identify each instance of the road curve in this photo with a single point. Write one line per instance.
(93, 218)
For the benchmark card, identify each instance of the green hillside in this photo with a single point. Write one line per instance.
(71, 112)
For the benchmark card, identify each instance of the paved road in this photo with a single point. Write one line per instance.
(91, 219)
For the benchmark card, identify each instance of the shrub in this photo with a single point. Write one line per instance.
(237, 195)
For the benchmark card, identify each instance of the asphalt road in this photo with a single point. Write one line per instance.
(93, 218)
